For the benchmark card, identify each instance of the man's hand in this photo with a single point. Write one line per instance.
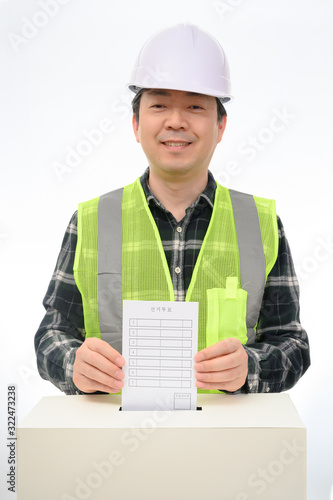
(223, 366)
(98, 367)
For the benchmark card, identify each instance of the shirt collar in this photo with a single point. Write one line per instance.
(206, 197)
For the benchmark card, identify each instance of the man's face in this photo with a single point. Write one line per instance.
(178, 131)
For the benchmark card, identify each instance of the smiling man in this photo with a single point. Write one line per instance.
(178, 132)
(176, 232)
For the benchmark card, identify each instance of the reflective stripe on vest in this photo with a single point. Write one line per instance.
(251, 221)
(110, 306)
(251, 255)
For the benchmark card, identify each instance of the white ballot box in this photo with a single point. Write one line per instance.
(236, 447)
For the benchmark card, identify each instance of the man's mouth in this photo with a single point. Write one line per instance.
(174, 144)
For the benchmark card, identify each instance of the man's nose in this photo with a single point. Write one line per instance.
(176, 119)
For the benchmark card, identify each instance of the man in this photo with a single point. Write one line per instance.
(178, 236)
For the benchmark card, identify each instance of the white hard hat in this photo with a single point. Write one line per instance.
(186, 58)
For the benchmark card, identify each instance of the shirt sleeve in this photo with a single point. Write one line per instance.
(61, 332)
(280, 354)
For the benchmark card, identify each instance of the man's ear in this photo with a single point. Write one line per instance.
(222, 125)
(135, 126)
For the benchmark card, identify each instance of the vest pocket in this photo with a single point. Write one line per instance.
(226, 313)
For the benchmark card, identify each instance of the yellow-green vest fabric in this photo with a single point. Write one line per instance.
(143, 273)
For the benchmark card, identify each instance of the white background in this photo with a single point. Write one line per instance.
(62, 73)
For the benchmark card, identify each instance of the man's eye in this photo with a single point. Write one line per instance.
(195, 106)
(158, 106)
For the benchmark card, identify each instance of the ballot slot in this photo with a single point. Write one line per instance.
(199, 408)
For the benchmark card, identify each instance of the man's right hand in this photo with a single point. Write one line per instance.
(98, 367)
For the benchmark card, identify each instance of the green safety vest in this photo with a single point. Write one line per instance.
(119, 256)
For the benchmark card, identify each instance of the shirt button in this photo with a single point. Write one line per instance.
(179, 229)
(177, 270)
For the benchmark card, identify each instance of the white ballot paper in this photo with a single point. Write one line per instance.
(160, 340)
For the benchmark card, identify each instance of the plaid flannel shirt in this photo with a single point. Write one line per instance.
(277, 359)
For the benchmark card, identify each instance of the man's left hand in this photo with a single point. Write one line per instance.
(222, 366)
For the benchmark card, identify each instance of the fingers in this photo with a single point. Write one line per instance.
(98, 367)
(100, 346)
(231, 386)
(222, 366)
(219, 375)
(221, 348)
